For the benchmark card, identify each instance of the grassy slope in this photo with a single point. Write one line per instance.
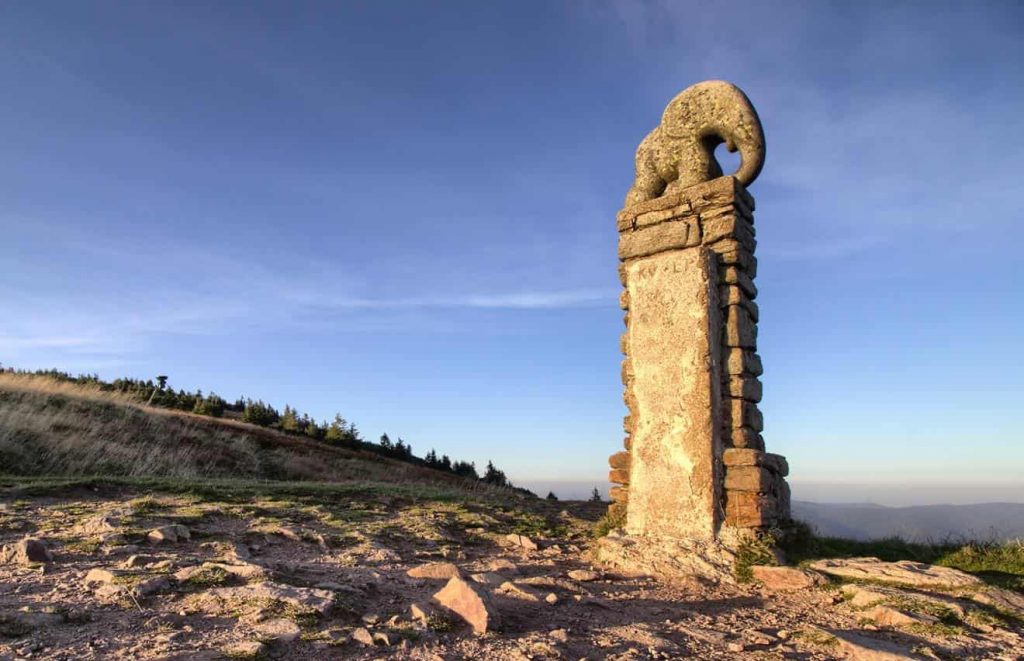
(50, 429)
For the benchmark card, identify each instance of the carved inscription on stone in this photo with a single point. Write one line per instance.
(673, 345)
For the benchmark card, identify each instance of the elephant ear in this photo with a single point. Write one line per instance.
(705, 115)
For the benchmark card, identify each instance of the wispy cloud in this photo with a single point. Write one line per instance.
(237, 295)
(526, 300)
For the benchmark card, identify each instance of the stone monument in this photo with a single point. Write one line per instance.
(694, 467)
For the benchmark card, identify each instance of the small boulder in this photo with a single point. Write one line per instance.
(552, 598)
(510, 589)
(27, 551)
(584, 575)
(859, 647)
(363, 636)
(785, 579)
(560, 635)
(421, 612)
(488, 578)
(279, 630)
(521, 541)
(468, 603)
(502, 565)
(152, 585)
(98, 576)
(434, 570)
(134, 561)
(887, 616)
(172, 533)
(101, 524)
(245, 649)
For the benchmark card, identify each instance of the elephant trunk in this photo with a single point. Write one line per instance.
(714, 112)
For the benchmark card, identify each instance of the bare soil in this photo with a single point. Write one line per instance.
(357, 551)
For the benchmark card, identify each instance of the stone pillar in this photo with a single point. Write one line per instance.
(694, 455)
(694, 466)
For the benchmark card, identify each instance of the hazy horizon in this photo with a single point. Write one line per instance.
(885, 494)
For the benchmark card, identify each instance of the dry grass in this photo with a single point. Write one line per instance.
(54, 428)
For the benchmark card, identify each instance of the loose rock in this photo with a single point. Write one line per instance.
(584, 575)
(172, 533)
(488, 578)
(27, 551)
(521, 541)
(434, 570)
(468, 603)
(247, 649)
(280, 630)
(887, 616)
(858, 647)
(785, 579)
(362, 635)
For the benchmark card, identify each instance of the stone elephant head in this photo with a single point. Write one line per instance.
(680, 152)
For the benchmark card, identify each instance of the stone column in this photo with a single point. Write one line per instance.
(694, 457)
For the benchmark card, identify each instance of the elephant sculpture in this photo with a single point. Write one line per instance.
(680, 152)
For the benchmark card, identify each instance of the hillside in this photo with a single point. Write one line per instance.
(53, 428)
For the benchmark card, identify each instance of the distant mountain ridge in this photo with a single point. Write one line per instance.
(863, 521)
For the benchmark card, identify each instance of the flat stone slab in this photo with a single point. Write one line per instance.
(904, 572)
(673, 339)
(856, 646)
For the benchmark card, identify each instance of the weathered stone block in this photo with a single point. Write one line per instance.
(742, 361)
(720, 193)
(748, 388)
(733, 295)
(741, 413)
(740, 329)
(735, 276)
(619, 460)
(658, 238)
(745, 509)
(776, 463)
(738, 256)
(618, 476)
(749, 457)
(619, 494)
(748, 478)
(624, 300)
(744, 437)
(673, 338)
(682, 211)
(729, 226)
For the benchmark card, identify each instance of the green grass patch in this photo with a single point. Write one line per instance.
(614, 518)
(753, 551)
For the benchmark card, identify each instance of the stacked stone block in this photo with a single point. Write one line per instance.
(717, 215)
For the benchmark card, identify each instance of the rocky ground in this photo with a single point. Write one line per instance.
(116, 575)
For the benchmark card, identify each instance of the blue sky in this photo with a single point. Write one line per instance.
(405, 212)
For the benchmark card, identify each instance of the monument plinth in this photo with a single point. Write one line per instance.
(694, 466)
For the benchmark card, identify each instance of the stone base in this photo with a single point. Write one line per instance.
(667, 559)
